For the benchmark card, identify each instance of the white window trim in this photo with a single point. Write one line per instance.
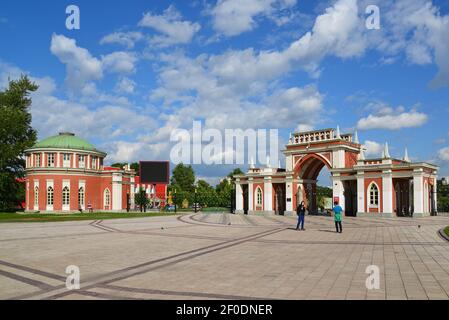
(49, 207)
(106, 205)
(36, 185)
(48, 160)
(82, 164)
(82, 184)
(65, 184)
(256, 197)
(66, 163)
(373, 206)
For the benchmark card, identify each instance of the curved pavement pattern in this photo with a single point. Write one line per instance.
(224, 256)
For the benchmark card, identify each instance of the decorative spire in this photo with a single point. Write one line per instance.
(356, 137)
(251, 163)
(291, 138)
(279, 164)
(386, 153)
(406, 157)
(268, 162)
(337, 134)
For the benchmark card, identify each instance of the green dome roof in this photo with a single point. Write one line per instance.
(65, 140)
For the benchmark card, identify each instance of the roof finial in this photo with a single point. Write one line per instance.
(356, 137)
(406, 157)
(251, 163)
(279, 164)
(361, 154)
(337, 134)
(386, 153)
(268, 162)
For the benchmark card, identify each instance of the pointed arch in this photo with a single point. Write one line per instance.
(36, 196)
(373, 193)
(50, 196)
(309, 166)
(107, 199)
(258, 197)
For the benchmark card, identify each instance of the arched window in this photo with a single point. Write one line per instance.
(259, 197)
(36, 196)
(65, 196)
(107, 198)
(373, 195)
(50, 194)
(81, 197)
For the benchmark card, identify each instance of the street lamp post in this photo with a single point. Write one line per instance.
(194, 202)
(232, 196)
(174, 200)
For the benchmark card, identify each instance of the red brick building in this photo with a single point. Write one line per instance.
(363, 187)
(65, 174)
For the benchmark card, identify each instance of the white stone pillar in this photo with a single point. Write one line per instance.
(238, 197)
(387, 193)
(268, 196)
(434, 195)
(338, 159)
(117, 191)
(360, 192)
(289, 195)
(58, 160)
(250, 195)
(418, 193)
(27, 196)
(338, 190)
(132, 192)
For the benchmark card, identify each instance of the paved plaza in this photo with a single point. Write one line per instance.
(224, 256)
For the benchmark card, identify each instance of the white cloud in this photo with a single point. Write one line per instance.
(443, 154)
(119, 62)
(127, 39)
(172, 28)
(125, 85)
(392, 119)
(417, 28)
(81, 66)
(372, 148)
(233, 17)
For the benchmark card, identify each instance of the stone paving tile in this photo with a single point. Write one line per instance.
(204, 258)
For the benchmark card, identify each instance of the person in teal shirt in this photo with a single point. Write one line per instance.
(338, 211)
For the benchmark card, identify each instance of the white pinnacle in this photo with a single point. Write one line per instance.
(268, 162)
(406, 157)
(251, 164)
(356, 137)
(386, 153)
(337, 135)
(279, 164)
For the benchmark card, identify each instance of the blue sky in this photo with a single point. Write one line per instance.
(137, 70)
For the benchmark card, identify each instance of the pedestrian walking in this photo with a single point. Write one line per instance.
(301, 212)
(338, 211)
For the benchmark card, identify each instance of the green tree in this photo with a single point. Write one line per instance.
(442, 196)
(206, 194)
(16, 135)
(134, 165)
(141, 200)
(183, 178)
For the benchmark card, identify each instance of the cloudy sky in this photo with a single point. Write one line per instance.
(137, 70)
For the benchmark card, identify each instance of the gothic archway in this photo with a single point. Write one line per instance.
(307, 170)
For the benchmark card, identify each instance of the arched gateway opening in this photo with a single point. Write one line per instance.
(307, 171)
(403, 188)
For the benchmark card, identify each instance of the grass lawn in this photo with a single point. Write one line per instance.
(15, 217)
(446, 231)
